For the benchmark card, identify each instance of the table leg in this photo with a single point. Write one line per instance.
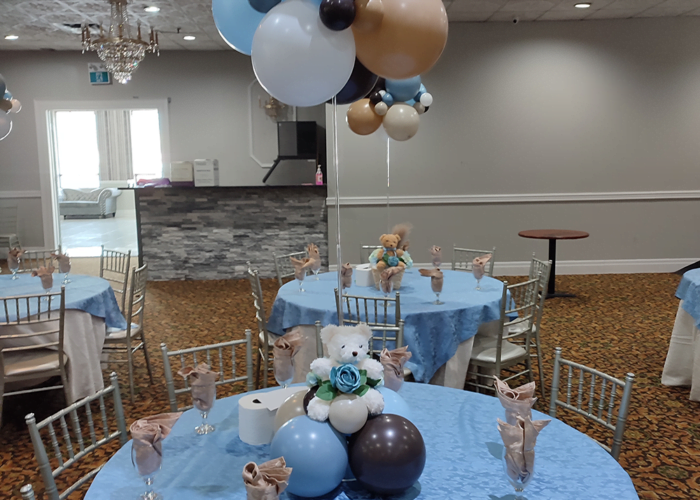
(551, 291)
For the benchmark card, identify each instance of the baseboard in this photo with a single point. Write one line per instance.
(618, 266)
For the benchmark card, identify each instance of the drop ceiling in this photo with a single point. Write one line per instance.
(41, 24)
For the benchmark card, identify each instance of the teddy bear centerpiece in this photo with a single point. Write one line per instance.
(347, 378)
(391, 260)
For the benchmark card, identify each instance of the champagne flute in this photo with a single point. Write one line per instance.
(284, 372)
(147, 466)
(203, 398)
(518, 484)
(47, 285)
(13, 264)
(300, 275)
(315, 271)
(387, 286)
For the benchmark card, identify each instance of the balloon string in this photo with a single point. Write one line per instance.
(388, 185)
(337, 209)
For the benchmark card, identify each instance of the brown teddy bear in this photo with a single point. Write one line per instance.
(394, 245)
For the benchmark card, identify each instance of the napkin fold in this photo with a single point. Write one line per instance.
(13, 257)
(346, 275)
(266, 481)
(385, 283)
(437, 278)
(46, 275)
(202, 381)
(519, 441)
(314, 257)
(517, 402)
(147, 435)
(283, 350)
(63, 262)
(300, 267)
(436, 253)
(393, 363)
(479, 264)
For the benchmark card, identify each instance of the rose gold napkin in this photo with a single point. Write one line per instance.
(385, 283)
(63, 262)
(46, 275)
(479, 264)
(436, 253)
(13, 257)
(517, 402)
(314, 257)
(283, 351)
(393, 362)
(519, 441)
(437, 278)
(266, 481)
(202, 380)
(300, 267)
(346, 275)
(148, 434)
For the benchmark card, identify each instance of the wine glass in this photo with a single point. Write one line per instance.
(13, 264)
(478, 284)
(386, 286)
(203, 398)
(300, 278)
(315, 271)
(520, 483)
(65, 278)
(438, 302)
(283, 374)
(147, 467)
(47, 285)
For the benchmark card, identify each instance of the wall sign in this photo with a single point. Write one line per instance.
(99, 74)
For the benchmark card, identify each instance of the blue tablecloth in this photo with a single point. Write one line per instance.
(689, 292)
(432, 332)
(87, 293)
(463, 446)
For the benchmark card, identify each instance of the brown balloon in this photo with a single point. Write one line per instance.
(387, 455)
(308, 397)
(5, 105)
(362, 119)
(407, 41)
(368, 15)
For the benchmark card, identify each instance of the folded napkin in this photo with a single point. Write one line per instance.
(478, 265)
(436, 278)
(519, 441)
(13, 257)
(314, 257)
(385, 283)
(266, 481)
(202, 380)
(147, 435)
(63, 262)
(346, 275)
(46, 275)
(283, 350)
(393, 362)
(517, 402)
(436, 253)
(300, 267)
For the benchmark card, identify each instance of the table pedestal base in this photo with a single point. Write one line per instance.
(557, 295)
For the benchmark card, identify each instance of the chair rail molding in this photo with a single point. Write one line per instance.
(500, 199)
(19, 194)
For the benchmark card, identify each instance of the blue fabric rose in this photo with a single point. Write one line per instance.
(393, 261)
(346, 378)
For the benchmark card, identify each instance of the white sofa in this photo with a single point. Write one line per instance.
(88, 203)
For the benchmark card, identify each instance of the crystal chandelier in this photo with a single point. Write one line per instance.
(120, 51)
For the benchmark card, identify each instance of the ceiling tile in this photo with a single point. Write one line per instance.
(470, 17)
(615, 13)
(528, 6)
(459, 6)
(502, 16)
(563, 15)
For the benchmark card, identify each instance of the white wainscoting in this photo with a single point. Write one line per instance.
(19, 194)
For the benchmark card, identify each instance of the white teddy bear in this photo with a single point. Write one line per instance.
(346, 345)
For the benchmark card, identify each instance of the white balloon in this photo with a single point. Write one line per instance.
(16, 106)
(297, 59)
(401, 122)
(381, 108)
(348, 413)
(426, 99)
(5, 125)
(419, 107)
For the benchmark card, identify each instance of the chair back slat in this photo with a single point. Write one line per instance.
(27, 492)
(66, 437)
(284, 267)
(462, 259)
(91, 425)
(34, 259)
(366, 252)
(386, 326)
(114, 267)
(54, 443)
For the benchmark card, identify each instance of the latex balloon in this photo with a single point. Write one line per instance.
(263, 6)
(426, 99)
(362, 119)
(16, 106)
(368, 15)
(297, 59)
(381, 108)
(236, 21)
(422, 91)
(375, 98)
(8, 95)
(394, 403)
(388, 99)
(308, 397)
(5, 126)
(419, 107)
(409, 40)
(361, 82)
(5, 105)
(387, 455)
(403, 90)
(401, 122)
(292, 407)
(2, 86)
(337, 15)
(348, 413)
(316, 453)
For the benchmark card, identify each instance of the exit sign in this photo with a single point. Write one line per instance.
(99, 74)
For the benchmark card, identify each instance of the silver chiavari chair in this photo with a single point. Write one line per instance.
(125, 341)
(71, 442)
(266, 339)
(213, 355)
(366, 251)
(381, 314)
(590, 398)
(492, 356)
(42, 357)
(539, 269)
(33, 260)
(462, 259)
(284, 267)
(27, 492)
(114, 267)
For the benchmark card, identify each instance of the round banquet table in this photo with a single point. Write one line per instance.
(90, 307)
(464, 451)
(432, 332)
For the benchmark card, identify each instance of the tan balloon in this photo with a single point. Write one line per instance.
(368, 15)
(362, 119)
(407, 43)
(348, 413)
(292, 407)
(401, 122)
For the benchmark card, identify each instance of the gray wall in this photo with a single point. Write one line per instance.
(566, 107)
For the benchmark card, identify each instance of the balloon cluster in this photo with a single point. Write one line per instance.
(397, 104)
(305, 52)
(7, 105)
(386, 454)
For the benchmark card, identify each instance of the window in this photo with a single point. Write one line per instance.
(76, 149)
(145, 144)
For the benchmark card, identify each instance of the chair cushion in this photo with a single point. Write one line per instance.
(518, 328)
(485, 350)
(26, 362)
(116, 333)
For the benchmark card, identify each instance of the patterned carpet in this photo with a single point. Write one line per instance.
(618, 324)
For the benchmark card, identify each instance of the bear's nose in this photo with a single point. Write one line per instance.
(354, 353)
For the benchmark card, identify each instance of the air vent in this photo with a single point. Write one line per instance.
(75, 28)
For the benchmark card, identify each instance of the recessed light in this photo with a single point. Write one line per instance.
(585, 5)
(11, 37)
(152, 9)
(189, 38)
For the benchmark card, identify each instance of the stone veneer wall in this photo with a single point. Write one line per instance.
(210, 233)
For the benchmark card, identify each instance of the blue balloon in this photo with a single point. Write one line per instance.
(422, 91)
(236, 21)
(263, 6)
(403, 90)
(8, 96)
(388, 99)
(2, 85)
(317, 453)
(394, 404)
(315, 2)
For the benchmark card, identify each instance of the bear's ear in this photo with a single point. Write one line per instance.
(328, 333)
(382, 237)
(365, 331)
